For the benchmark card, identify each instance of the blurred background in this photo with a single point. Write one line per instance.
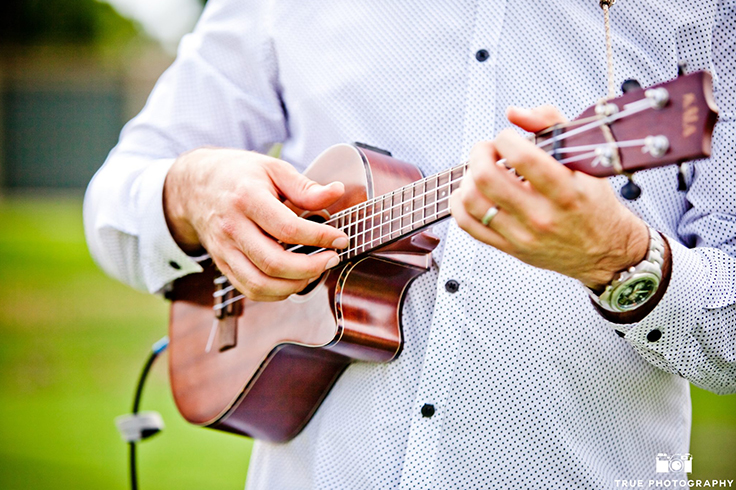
(72, 72)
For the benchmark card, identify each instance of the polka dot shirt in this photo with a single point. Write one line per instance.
(509, 378)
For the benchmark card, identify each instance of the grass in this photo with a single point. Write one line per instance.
(73, 342)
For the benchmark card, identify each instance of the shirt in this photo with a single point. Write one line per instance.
(530, 387)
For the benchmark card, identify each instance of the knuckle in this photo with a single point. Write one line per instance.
(525, 242)
(522, 156)
(567, 199)
(270, 266)
(481, 149)
(542, 223)
(288, 231)
(227, 227)
(255, 288)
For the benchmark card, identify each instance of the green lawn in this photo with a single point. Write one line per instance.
(73, 342)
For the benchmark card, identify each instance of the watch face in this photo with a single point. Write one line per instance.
(636, 292)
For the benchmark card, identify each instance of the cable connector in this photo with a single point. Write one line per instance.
(134, 427)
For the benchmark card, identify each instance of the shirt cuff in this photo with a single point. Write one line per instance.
(664, 337)
(163, 261)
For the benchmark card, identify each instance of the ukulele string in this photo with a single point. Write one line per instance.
(628, 110)
(374, 213)
(346, 212)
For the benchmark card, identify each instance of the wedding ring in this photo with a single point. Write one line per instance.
(490, 214)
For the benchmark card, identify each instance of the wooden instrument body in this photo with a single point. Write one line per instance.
(273, 363)
(288, 354)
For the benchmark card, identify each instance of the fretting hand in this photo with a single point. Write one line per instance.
(231, 203)
(556, 219)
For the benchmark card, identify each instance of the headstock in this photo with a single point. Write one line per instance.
(668, 123)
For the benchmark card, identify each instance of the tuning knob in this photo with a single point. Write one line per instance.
(630, 191)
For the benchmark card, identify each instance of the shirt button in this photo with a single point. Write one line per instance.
(452, 286)
(481, 55)
(654, 335)
(427, 410)
(174, 265)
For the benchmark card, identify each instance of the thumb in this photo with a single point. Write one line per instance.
(302, 191)
(536, 119)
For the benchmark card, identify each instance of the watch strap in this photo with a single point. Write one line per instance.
(638, 314)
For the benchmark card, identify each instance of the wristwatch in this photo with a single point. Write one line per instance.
(637, 284)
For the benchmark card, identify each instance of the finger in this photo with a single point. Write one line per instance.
(302, 191)
(542, 171)
(252, 282)
(495, 182)
(504, 223)
(474, 227)
(536, 119)
(281, 223)
(271, 258)
(475, 203)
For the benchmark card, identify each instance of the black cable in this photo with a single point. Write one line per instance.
(157, 349)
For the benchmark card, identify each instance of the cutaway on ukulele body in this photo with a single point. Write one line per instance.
(262, 369)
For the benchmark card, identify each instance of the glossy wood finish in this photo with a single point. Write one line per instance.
(687, 121)
(273, 363)
(288, 354)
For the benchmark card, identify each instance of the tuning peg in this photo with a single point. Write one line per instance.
(630, 85)
(630, 191)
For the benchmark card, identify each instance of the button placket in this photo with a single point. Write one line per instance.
(440, 361)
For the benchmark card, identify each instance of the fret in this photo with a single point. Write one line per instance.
(425, 191)
(430, 197)
(443, 192)
(398, 213)
(364, 227)
(407, 195)
(386, 221)
(372, 222)
(417, 202)
(353, 232)
(456, 177)
(358, 229)
(395, 215)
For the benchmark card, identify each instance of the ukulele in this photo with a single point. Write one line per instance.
(262, 369)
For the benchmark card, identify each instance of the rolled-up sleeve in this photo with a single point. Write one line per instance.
(221, 91)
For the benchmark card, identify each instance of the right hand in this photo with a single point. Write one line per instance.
(231, 203)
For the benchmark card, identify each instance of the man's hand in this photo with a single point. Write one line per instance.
(231, 203)
(557, 219)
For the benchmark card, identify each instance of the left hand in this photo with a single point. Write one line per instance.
(558, 219)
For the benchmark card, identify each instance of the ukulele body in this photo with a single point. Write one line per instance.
(272, 363)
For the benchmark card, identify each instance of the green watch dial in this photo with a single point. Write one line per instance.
(636, 292)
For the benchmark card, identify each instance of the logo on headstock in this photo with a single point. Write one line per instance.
(690, 115)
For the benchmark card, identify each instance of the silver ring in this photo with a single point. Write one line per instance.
(490, 214)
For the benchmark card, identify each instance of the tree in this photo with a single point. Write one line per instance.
(33, 22)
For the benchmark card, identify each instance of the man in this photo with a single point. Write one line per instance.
(510, 377)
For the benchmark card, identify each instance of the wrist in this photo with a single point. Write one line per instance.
(634, 250)
(175, 204)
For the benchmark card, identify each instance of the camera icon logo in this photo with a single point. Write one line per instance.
(675, 463)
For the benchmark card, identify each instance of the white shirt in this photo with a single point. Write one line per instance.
(531, 387)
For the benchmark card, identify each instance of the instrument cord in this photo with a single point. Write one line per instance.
(156, 350)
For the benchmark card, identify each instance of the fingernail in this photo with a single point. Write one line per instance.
(341, 242)
(332, 262)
